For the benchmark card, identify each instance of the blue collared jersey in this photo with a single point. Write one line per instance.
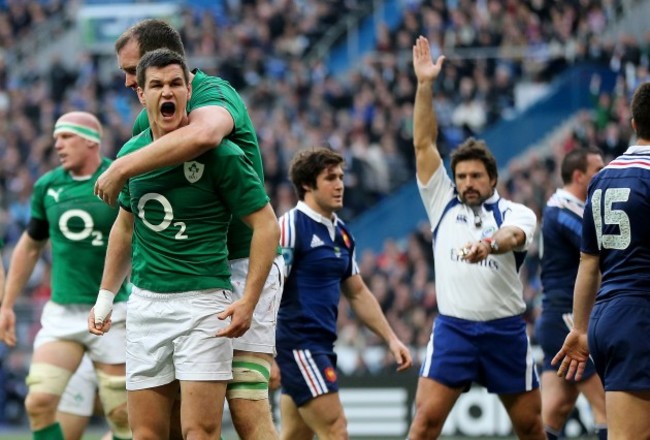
(561, 235)
(615, 225)
(319, 256)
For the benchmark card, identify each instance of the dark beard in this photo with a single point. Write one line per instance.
(479, 201)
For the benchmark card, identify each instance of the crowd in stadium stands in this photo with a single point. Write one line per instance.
(19, 17)
(366, 115)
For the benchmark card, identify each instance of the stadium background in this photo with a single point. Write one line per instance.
(534, 78)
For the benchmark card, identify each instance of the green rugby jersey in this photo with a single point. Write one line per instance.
(79, 225)
(211, 90)
(182, 215)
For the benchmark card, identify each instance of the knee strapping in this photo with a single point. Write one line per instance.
(250, 378)
(47, 378)
(112, 392)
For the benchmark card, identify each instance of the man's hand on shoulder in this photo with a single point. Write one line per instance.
(110, 182)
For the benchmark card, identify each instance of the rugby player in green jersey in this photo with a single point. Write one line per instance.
(77, 224)
(216, 112)
(172, 233)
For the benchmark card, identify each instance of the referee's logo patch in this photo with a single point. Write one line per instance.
(193, 171)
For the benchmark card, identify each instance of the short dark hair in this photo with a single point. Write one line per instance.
(306, 165)
(160, 58)
(576, 159)
(641, 111)
(473, 149)
(151, 34)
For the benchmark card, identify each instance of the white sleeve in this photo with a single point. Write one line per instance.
(522, 217)
(436, 194)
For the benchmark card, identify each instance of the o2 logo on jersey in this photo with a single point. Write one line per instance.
(168, 216)
(68, 224)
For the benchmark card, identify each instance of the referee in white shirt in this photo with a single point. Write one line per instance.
(479, 244)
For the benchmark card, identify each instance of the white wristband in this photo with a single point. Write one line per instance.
(104, 305)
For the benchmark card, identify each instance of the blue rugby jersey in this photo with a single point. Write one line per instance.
(561, 234)
(319, 256)
(616, 227)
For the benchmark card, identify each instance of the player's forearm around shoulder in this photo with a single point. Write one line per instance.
(118, 253)
(266, 237)
(207, 127)
(23, 260)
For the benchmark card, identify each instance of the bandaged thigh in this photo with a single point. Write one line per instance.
(112, 392)
(250, 378)
(47, 378)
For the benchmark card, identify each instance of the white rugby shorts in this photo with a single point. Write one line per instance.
(70, 322)
(172, 336)
(260, 338)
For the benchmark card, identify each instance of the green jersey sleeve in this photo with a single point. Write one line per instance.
(211, 90)
(124, 199)
(214, 91)
(141, 123)
(237, 182)
(38, 197)
(135, 143)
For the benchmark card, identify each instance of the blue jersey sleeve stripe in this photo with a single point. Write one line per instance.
(571, 222)
(453, 202)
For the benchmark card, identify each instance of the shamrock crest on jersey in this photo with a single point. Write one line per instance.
(193, 171)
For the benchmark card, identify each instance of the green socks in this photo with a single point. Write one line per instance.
(52, 432)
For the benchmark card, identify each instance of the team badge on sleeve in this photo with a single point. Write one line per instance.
(287, 253)
(193, 171)
(330, 374)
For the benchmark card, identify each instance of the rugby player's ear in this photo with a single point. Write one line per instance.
(141, 97)
(189, 91)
